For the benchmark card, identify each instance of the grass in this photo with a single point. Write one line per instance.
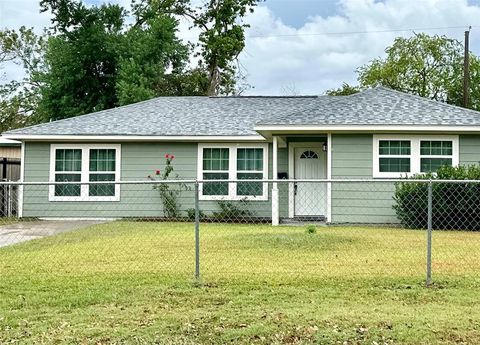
(132, 283)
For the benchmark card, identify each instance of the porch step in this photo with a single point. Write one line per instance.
(305, 220)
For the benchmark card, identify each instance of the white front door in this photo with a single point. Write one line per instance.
(310, 163)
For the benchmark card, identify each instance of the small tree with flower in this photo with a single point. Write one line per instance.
(168, 196)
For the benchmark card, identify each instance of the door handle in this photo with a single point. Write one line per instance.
(295, 187)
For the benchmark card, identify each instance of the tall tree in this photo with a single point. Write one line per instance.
(427, 66)
(222, 35)
(81, 58)
(153, 62)
(423, 65)
(19, 98)
(96, 60)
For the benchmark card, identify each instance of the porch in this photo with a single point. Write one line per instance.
(309, 158)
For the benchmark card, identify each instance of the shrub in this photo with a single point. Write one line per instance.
(168, 196)
(454, 205)
(191, 214)
(233, 211)
(311, 229)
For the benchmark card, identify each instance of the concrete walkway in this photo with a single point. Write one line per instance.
(29, 230)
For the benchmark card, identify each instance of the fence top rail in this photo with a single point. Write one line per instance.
(280, 181)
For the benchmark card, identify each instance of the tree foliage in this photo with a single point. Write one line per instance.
(94, 57)
(221, 39)
(345, 90)
(427, 66)
(19, 98)
(96, 61)
(81, 59)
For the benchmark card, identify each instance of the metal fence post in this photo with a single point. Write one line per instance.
(197, 234)
(429, 236)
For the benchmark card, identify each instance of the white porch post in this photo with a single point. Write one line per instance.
(275, 206)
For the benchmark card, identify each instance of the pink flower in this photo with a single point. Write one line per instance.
(157, 172)
(172, 156)
(167, 155)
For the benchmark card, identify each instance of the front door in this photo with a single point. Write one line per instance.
(310, 163)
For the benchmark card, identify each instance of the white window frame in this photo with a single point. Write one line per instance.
(85, 172)
(414, 152)
(232, 170)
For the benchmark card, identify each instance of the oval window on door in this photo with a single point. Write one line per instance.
(309, 155)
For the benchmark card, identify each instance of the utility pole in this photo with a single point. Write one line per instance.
(466, 69)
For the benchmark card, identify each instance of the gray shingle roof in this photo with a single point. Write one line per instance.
(377, 106)
(172, 116)
(202, 116)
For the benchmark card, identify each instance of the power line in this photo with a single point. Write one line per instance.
(362, 32)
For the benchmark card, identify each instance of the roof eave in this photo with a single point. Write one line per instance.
(135, 138)
(267, 131)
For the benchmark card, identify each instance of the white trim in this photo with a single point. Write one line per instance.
(275, 159)
(414, 152)
(85, 172)
(365, 128)
(232, 170)
(291, 171)
(113, 138)
(291, 185)
(275, 201)
(329, 177)
(22, 179)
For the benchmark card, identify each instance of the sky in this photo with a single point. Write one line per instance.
(308, 46)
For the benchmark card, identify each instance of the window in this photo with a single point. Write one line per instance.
(85, 163)
(215, 167)
(250, 167)
(233, 162)
(399, 156)
(68, 168)
(394, 156)
(309, 155)
(102, 168)
(434, 154)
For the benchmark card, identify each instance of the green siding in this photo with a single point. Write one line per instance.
(469, 149)
(352, 158)
(351, 203)
(137, 161)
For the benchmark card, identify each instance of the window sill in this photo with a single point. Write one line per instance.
(80, 199)
(393, 175)
(233, 198)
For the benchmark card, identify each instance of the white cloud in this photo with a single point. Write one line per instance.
(314, 63)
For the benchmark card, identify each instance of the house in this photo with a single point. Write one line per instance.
(376, 134)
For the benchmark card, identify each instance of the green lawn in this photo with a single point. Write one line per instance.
(132, 283)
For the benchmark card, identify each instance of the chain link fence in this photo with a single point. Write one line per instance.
(214, 230)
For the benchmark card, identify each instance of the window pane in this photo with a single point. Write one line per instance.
(102, 160)
(250, 188)
(215, 159)
(249, 159)
(101, 189)
(394, 164)
(67, 190)
(394, 147)
(68, 160)
(438, 148)
(432, 164)
(215, 188)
